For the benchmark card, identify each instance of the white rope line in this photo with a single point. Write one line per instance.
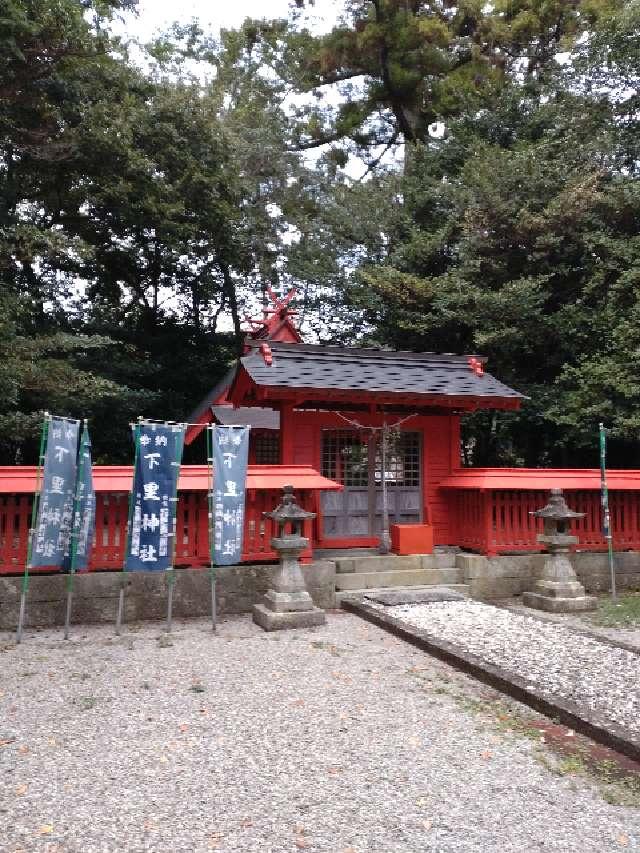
(358, 425)
(151, 422)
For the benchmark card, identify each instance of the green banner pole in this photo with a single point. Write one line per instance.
(44, 437)
(212, 567)
(606, 516)
(74, 535)
(171, 574)
(123, 575)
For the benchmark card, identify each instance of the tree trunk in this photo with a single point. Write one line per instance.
(232, 298)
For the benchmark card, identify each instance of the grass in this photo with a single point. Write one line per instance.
(616, 785)
(623, 614)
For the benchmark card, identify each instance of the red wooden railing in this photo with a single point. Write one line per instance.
(490, 509)
(192, 539)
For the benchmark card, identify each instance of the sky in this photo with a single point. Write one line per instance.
(157, 15)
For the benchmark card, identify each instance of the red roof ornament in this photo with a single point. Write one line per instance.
(276, 323)
(476, 365)
(265, 351)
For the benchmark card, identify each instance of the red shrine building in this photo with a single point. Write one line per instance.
(318, 416)
(326, 407)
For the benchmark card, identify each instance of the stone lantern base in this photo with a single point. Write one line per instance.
(276, 620)
(288, 604)
(560, 604)
(559, 590)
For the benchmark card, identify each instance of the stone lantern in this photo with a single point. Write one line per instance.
(558, 590)
(288, 604)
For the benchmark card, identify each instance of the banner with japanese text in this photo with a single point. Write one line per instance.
(51, 543)
(85, 509)
(604, 492)
(230, 449)
(154, 497)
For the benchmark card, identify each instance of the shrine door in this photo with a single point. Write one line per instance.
(354, 458)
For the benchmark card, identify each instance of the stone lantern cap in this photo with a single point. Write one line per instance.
(289, 510)
(557, 509)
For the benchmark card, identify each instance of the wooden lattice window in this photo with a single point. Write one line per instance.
(345, 457)
(402, 459)
(266, 448)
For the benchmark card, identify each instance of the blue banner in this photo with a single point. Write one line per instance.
(230, 448)
(84, 518)
(52, 535)
(154, 499)
(604, 492)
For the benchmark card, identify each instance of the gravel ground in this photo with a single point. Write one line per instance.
(552, 658)
(338, 740)
(582, 622)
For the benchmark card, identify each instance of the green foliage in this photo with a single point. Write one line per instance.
(623, 613)
(422, 62)
(139, 207)
(518, 239)
(131, 214)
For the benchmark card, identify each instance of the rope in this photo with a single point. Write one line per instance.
(358, 425)
(151, 422)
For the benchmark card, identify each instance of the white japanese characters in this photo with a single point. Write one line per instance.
(230, 457)
(51, 544)
(151, 532)
(154, 459)
(151, 491)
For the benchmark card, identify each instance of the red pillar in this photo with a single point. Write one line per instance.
(286, 434)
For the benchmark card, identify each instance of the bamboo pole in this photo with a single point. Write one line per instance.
(44, 437)
(606, 515)
(123, 576)
(171, 576)
(74, 534)
(210, 517)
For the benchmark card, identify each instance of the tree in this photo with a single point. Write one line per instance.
(517, 240)
(50, 52)
(404, 66)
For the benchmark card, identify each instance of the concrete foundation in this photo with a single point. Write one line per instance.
(96, 594)
(239, 588)
(506, 576)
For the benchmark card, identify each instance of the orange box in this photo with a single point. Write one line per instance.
(411, 538)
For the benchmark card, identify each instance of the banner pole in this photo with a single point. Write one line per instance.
(606, 516)
(212, 567)
(123, 575)
(171, 576)
(74, 534)
(44, 436)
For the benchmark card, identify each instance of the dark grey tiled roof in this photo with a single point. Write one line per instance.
(204, 405)
(253, 416)
(345, 369)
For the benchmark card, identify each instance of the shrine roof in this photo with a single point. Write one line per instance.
(256, 417)
(203, 410)
(377, 371)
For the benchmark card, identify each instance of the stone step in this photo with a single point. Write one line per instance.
(408, 577)
(351, 593)
(394, 563)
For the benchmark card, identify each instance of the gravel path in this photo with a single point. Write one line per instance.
(553, 659)
(582, 622)
(336, 740)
